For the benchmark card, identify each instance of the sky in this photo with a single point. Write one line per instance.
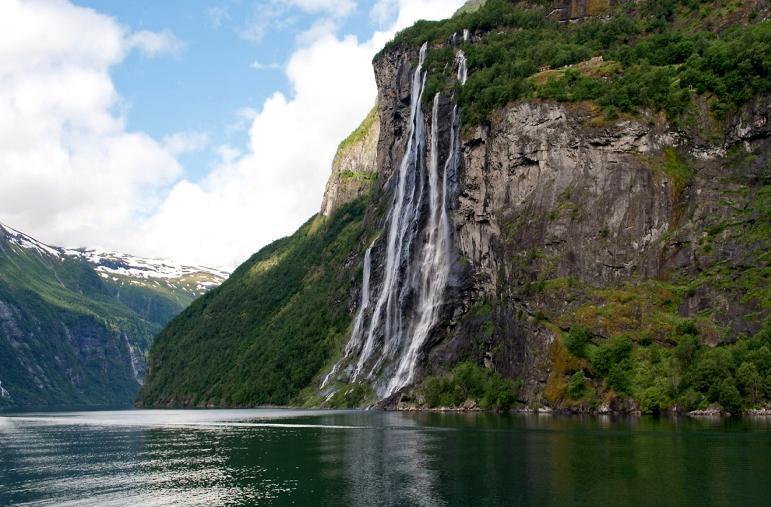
(197, 131)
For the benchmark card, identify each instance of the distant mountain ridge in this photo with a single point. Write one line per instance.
(75, 324)
(195, 280)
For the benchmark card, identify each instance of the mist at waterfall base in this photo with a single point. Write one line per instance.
(283, 457)
(387, 336)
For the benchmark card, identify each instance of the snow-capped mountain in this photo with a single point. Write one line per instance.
(76, 324)
(28, 242)
(123, 268)
(151, 272)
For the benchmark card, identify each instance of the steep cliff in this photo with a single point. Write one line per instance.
(354, 168)
(571, 209)
(571, 224)
(631, 231)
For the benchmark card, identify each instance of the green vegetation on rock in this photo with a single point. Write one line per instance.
(351, 396)
(364, 127)
(467, 382)
(647, 56)
(359, 175)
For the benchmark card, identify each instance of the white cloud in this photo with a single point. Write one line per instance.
(243, 119)
(153, 44)
(265, 15)
(70, 171)
(254, 31)
(253, 198)
(217, 15)
(73, 175)
(384, 11)
(258, 65)
(227, 153)
(410, 11)
(279, 14)
(186, 142)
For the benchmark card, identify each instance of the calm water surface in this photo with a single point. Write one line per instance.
(287, 457)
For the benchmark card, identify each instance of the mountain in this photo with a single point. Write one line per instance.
(75, 325)
(567, 207)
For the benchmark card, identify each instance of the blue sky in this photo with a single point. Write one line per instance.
(198, 131)
(219, 73)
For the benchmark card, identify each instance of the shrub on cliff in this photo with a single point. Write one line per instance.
(577, 385)
(467, 381)
(576, 340)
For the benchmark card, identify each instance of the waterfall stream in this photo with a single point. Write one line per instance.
(355, 341)
(402, 218)
(462, 68)
(434, 266)
(387, 337)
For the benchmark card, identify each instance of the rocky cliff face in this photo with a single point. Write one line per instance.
(559, 210)
(557, 204)
(354, 168)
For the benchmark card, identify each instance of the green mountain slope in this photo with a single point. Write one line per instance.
(71, 333)
(268, 330)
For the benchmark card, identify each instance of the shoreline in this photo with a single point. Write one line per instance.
(704, 413)
(541, 411)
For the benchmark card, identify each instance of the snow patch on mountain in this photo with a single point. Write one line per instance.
(30, 243)
(112, 265)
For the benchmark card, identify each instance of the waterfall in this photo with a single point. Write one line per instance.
(358, 323)
(3, 392)
(434, 266)
(404, 211)
(355, 341)
(466, 35)
(388, 336)
(462, 67)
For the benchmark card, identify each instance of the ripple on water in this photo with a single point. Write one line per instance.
(374, 458)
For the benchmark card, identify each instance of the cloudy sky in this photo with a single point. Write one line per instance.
(192, 130)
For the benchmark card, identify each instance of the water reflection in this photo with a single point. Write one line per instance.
(375, 458)
(396, 452)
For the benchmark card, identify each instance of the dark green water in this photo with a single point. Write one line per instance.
(243, 457)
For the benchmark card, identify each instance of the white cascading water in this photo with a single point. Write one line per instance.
(462, 67)
(355, 341)
(403, 211)
(421, 274)
(434, 265)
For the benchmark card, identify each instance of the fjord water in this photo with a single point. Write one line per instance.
(285, 457)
